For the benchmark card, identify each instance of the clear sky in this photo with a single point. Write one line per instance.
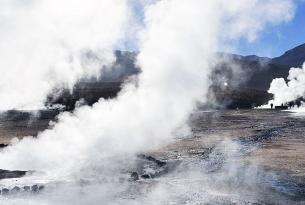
(276, 40)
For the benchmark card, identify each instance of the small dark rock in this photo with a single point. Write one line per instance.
(5, 191)
(41, 187)
(160, 163)
(3, 146)
(152, 159)
(26, 188)
(145, 176)
(35, 188)
(134, 176)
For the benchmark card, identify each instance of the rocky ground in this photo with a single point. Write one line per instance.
(232, 157)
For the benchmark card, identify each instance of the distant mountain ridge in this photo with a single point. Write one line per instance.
(257, 72)
(237, 81)
(247, 78)
(294, 57)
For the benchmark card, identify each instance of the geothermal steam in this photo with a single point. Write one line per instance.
(285, 92)
(45, 45)
(176, 46)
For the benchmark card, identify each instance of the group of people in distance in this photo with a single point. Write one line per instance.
(289, 105)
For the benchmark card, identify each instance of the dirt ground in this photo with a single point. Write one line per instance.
(277, 138)
(270, 140)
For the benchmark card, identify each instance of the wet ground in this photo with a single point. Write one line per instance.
(232, 157)
(249, 156)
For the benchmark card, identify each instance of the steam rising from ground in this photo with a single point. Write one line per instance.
(176, 47)
(290, 91)
(47, 44)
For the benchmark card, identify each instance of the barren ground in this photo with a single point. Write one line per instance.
(267, 146)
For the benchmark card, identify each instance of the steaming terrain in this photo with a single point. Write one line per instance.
(84, 123)
(231, 157)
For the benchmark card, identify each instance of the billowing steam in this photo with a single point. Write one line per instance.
(47, 44)
(176, 47)
(285, 92)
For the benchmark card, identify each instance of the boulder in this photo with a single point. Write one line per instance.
(5, 191)
(26, 188)
(41, 187)
(35, 188)
(134, 176)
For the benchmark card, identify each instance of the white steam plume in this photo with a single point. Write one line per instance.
(178, 40)
(285, 92)
(45, 43)
(177, 44)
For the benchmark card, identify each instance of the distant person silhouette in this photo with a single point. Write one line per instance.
(271, 106)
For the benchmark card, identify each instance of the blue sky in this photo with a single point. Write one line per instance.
(272, 42)
(276, 40)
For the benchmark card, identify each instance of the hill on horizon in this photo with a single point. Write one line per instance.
(246, 79)
(294, 57)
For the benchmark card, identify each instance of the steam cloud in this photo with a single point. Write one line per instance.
(45, 44)
(285, 92)
(176, 54)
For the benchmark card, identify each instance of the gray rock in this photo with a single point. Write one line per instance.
(159, 163)
(145, 176)
(134, 176)
(41, 187)
(35, 188)
(5, 191)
